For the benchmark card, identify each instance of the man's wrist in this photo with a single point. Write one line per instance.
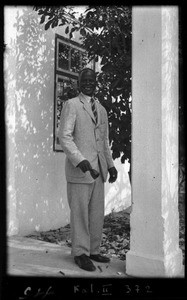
(111, 167)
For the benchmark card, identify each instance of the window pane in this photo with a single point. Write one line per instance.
(66, 88)
(69, 88)
(59, 101)
(85, 60)
(63, 56)
(75, 60)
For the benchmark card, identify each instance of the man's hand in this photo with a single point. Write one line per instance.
(84, 165)
(113, 174)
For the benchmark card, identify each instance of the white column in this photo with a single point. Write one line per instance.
(154, 241)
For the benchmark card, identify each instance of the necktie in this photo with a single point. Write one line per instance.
(94, 109)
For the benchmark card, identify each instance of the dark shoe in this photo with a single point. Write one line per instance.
(84, 262)
(99, 258)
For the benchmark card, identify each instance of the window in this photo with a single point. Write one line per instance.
(70, 58)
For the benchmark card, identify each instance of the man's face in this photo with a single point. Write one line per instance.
(87, 83)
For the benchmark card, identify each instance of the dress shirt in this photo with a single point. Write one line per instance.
(88, 98)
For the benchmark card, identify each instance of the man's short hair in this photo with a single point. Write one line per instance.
(85, 70)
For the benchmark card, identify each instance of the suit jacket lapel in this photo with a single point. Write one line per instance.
(87, 107)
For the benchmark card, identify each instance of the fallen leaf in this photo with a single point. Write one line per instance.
(62, 273)
(119, 273)
(112, 251)
(100, 269)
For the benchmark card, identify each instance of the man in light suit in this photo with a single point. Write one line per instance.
(83, 135)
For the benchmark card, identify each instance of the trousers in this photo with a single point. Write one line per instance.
(86, 202)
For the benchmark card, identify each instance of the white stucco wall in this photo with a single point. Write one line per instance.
(36, 185)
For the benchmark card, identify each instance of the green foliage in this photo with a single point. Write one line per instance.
(106, 35)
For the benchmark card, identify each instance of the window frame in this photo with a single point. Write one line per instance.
(66, 74)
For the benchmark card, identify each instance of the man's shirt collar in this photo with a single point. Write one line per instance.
(87, 98)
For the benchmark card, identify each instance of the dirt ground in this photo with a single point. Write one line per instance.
(116, 233)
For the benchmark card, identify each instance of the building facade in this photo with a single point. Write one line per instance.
(40, 72)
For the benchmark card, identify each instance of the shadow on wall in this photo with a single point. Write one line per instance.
(118, 194)
(36, 182)
(35, 174)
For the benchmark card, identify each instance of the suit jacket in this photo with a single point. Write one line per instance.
(81, 138)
